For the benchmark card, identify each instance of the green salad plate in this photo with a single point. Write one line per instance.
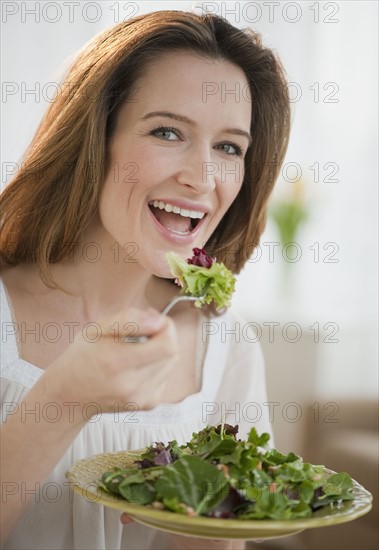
(85, 477)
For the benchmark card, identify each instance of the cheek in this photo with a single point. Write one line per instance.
(232, 183)
(112, 191)
(122, 171)
(106, 202)
(138, 173)
(122, 179)
(124, 167)
(115, 195)
(126, 174)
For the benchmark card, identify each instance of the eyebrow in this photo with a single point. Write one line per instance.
(182, 118)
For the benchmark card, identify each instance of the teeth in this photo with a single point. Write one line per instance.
(182, 211)
(194, 214)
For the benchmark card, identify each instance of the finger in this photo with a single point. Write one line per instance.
(149, 385)
(125, 519)
(157, 348)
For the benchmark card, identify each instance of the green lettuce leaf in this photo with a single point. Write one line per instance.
(217, 475)
(274, 505)
(138, 493)
(210, 445)
(258, 440)
(194, 482)
(216, 283)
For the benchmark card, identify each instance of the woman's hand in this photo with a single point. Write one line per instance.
(96, 369)
(101, 369)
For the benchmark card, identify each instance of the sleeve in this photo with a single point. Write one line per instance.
(242, 396)
(11, 393)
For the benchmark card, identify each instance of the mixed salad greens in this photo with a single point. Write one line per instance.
(217, 475)
(203, 277)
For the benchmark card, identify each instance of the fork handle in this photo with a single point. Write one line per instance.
(170, 305)
(177, 299)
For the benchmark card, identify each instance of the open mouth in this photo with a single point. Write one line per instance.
(175, 219)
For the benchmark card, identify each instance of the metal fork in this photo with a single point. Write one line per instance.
(170, 305)
(180, 298)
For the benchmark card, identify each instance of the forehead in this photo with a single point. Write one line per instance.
(205, 90)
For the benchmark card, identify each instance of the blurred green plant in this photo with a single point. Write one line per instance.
(289, 213)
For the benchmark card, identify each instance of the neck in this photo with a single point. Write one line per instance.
(103, 277)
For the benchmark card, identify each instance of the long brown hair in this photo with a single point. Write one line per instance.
(55, 194)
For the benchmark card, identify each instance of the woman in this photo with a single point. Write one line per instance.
(145, 150)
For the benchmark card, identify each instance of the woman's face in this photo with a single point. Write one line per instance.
(176, 157)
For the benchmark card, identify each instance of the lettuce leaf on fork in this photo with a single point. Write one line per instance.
(201, 276)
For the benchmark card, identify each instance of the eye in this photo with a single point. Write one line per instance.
(231, 149)
(164, 132)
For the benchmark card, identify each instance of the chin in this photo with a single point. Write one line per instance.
(157, 265)
(163, 275)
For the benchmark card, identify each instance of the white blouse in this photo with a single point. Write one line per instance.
(233, 384)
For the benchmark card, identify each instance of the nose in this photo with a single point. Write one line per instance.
(197, 171)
